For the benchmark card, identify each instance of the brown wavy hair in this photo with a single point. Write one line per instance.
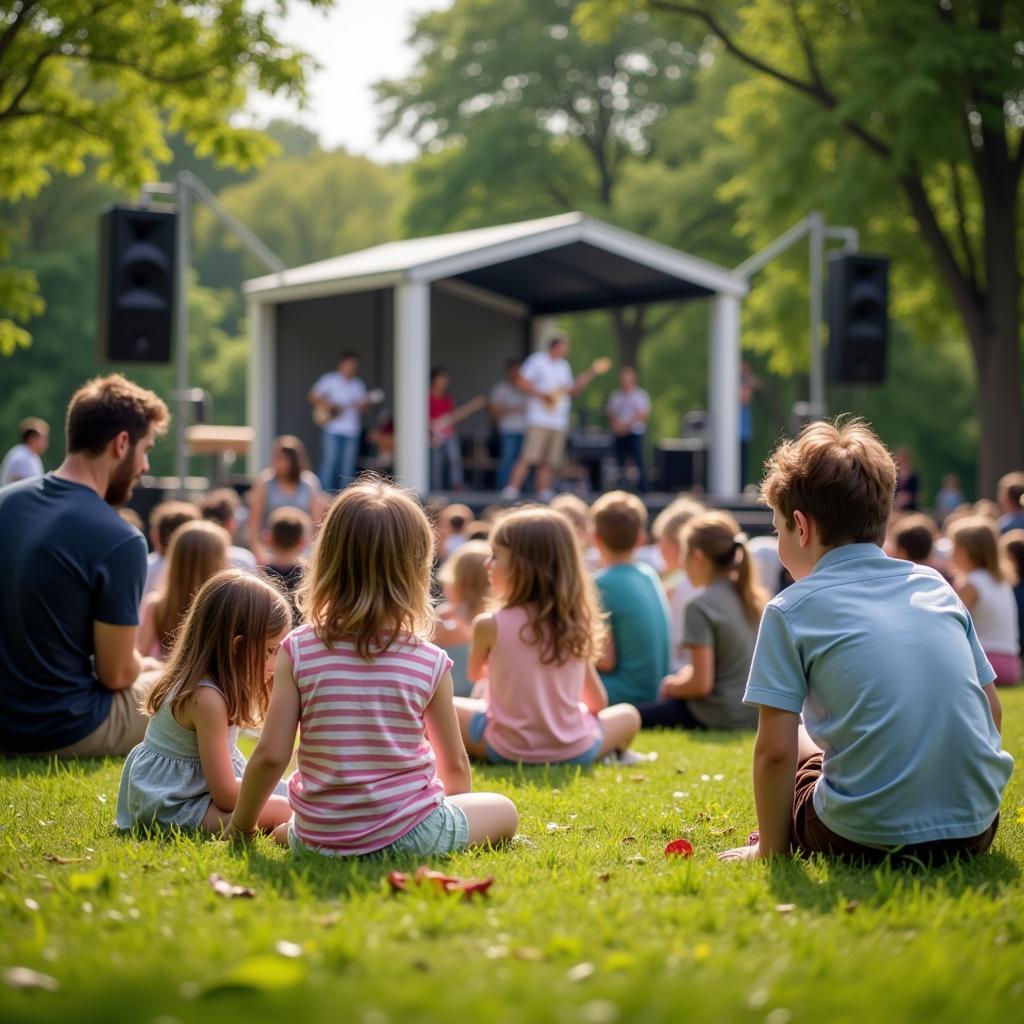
(197, 550)
(547, 575)
(717, 535)
(369, 579)
(840, 475)
(233, 604)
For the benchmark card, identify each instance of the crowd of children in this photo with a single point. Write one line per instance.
(378, 649)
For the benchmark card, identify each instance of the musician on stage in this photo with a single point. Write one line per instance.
(339, 399)
(548, 379)
(444, 442)
(628, 409)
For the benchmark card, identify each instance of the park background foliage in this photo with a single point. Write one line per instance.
(634, 113)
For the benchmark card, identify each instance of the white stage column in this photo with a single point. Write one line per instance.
(542, 328)
(412, 385)
(261, 410)
(724, 397)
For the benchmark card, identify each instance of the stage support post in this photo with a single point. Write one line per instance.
(412, 385)
(542, 329)
(261, 412)
(724, 397)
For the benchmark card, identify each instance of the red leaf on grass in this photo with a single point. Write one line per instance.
(679, 848)
(468, 887)
(398, 880)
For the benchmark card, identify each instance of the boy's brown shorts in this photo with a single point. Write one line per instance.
(810, 835)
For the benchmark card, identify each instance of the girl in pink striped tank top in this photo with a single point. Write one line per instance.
(380, 763)
(545, 703)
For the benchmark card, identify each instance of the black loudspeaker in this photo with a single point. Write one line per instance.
(136, 279)
(679, 462)
(858, 318)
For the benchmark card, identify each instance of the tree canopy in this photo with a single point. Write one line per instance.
(100, 84)
(894, 115)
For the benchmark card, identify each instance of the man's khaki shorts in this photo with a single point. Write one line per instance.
(544, 447)
(124, 727)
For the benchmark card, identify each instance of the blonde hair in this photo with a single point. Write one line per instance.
(466, 572)
(197, 550)
(674, 516)
(369, 579)
(718, 536)
(576, 510)
(232, 604)
(977, 538)
(546, 575)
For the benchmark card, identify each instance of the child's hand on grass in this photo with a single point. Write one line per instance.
(234, 834)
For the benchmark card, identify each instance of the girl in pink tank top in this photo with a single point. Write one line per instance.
(380, 765)
(544, 703)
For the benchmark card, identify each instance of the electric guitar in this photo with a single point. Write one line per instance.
(439, 425)
(598, 368)
(325, 411)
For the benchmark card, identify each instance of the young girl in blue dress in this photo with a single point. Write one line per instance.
(187, 770)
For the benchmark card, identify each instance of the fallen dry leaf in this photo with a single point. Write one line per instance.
(851, 906)
(638, 778)
(528, 953)
(604, 876)
(222, 887)
(468, 887)
(628, 839)
(55, 858)
(553, 826)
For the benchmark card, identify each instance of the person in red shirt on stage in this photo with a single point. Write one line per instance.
(444, 442)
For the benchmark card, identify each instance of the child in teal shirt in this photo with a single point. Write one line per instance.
(637, 655)
(899, 749)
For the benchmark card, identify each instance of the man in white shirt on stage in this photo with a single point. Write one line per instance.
(23, 461)
(547, 378)
(340, 397)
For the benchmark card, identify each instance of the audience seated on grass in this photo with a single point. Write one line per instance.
(577, 511)
(543, 700)
(71, 577)
(467, 587)
(198, 550)
(165, 518)
(1012, 544)
(187, 770)
(221, 506)
(720, 631)
(636, 654)
(381, 766)
(285, 542)
(679, 591)
(899, 752)
(984, 578)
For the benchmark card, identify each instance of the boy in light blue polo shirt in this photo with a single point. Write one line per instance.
(899, 749)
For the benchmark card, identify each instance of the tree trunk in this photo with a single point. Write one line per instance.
(998, 362)
(630, 330)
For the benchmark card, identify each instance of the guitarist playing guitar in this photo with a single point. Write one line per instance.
(339, 400)
(548, 379)
(444, 442)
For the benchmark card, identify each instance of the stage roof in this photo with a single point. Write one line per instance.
(552, 265)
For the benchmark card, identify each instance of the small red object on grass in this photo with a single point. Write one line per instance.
(469, 887)
(679, 848)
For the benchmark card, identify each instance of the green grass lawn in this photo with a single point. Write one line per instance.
(587, 920)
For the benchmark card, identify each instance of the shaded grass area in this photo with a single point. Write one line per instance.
(587, 920)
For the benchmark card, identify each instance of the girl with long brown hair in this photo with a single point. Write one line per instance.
(187, 770)
(197, 551)
(539, 649)
(380, 765)
(719, 631)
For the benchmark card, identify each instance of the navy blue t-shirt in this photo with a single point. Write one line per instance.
(67, 559)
